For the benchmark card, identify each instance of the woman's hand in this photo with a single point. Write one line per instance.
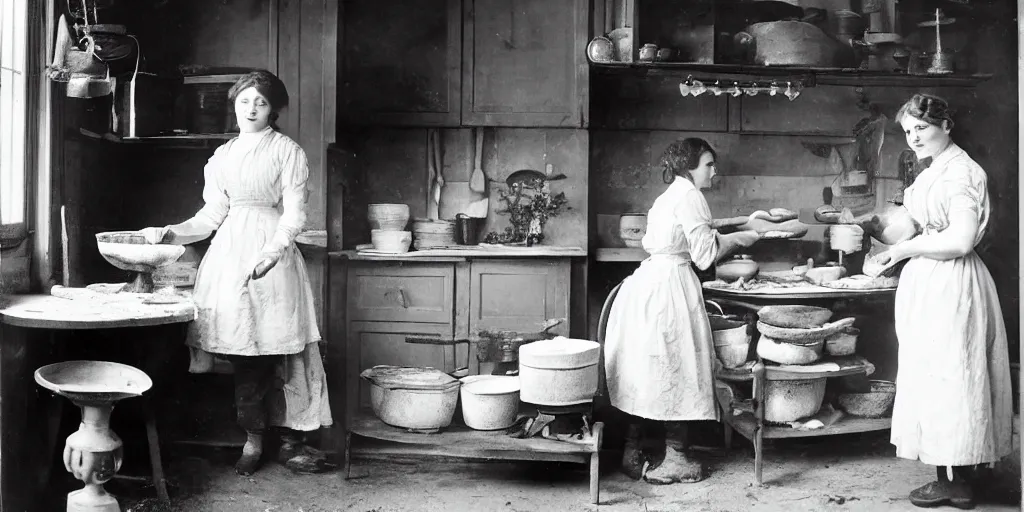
(894, 254)
(263, 266)
(155, 235)
(733, 242)
(746, 238)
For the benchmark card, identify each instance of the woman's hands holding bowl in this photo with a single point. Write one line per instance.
(155, 235)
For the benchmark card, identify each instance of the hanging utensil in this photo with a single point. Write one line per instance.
(477, 181)
(436, 178)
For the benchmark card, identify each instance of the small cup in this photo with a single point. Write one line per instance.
(648, 52)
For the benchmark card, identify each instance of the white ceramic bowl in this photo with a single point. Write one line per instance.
(489, 402)
(388, 216)
(842, 343)
(391, 241)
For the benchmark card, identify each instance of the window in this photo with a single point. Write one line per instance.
(13, 110)
(25, 146)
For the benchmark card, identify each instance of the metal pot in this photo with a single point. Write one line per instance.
(792, 43)
(790, 400)
(421, 399)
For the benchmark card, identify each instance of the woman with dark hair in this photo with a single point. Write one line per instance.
(953, 408)
(659, 355)
(252, 293)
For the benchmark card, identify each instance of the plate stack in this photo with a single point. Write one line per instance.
(432, 234)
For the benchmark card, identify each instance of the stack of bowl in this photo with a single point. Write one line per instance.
(387, 227)
(428, 234)
(795, 335)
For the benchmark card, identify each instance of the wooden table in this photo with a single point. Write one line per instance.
(28, 327)
(746, 416)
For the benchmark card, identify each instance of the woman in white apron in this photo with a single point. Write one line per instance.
(953, 408)
(659, 355)
(252, 293)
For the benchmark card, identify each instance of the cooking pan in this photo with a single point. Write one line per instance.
(502, 346)
(792, 43)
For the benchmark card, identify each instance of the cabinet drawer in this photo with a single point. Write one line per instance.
(402, 293)
(519, 295)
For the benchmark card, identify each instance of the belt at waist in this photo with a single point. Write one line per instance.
(679, 259)
(252, 203)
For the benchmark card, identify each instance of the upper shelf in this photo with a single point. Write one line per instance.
(821, 76)
(198, 140)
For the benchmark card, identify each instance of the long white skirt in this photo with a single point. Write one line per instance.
(659, 355)
(953, 400)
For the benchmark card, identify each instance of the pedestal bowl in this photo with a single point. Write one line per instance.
(93, 381)
(93, 454)
(128, 250)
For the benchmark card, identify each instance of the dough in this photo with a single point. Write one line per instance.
(863, 282)
(826, 213)
(767, 235)
(783, 214)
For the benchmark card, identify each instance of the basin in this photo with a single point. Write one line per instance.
(129, 250)
(94, 453)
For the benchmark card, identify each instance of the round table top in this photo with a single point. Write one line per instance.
(49, 312)
(815, 292)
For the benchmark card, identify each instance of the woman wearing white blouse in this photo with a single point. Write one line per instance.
(659, 355)
(953, 405)
(253, 296)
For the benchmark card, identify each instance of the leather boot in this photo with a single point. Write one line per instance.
(676, 467)
(943, 491)
(632, 456)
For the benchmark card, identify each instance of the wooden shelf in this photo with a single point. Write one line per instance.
(461, 253)
(746, 424)
(820, 76)
(461, 441)
(847, 365)
(195, 141)
(635, 254)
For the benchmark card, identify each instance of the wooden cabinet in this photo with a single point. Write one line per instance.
(518, 295)
(401, 62)
(524, 63)
(805, 115)
(629, 102)
(386, 301)
(448, 63)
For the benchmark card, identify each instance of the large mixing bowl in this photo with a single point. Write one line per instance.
(128, 250)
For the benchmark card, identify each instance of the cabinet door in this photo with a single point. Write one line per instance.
(402, 293)
(777, 114)
(518, 295)
(401, 62)
(383, 343)
(524, 63)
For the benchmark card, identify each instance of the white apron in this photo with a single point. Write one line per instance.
(953, 400)
(659, 355)
(255, 195)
